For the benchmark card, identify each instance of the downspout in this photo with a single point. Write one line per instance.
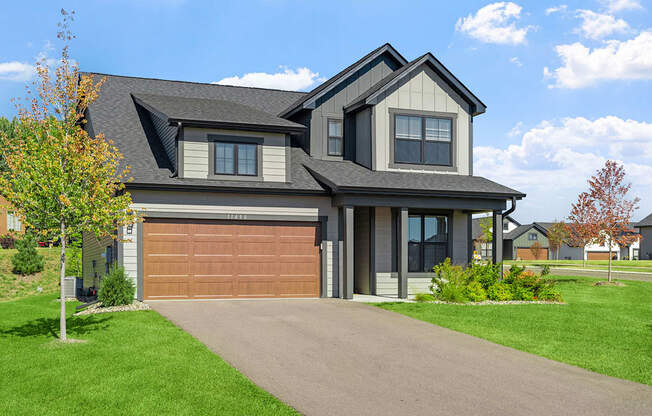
(509, 211)
(176, 142)
(503, 215)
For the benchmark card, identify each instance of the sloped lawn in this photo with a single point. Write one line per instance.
(14, 286)
(605, 329)
(132, 363)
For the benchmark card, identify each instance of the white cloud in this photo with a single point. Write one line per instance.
(517, 130)
(597, 25)
(552, 161)
(616, 60)
(16, 71)
(495, 23)
(556, 9)
(620, 5)
(288, 79)
(515, 61)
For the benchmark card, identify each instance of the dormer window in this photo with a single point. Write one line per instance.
(423, 140)
(335, 137)
(234, 156)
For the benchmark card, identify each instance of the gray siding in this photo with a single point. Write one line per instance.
(523, 242)
(645, 252)
(569, 253)
(363, 149)
(93, 248)
(331, 104)
(167, 134)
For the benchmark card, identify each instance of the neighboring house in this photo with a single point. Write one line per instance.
(481, 246)
(645, 229)
(363, 184)
(517, 244)
(8, 221)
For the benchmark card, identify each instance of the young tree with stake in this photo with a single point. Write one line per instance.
(59, 179)
(557, 235)
(583, 227)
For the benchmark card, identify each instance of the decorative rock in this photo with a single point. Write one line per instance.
(504, 302)
(97, 308)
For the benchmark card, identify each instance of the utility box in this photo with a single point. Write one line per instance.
(70, 287)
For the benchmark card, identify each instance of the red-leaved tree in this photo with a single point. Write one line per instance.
(583, 223)
(614, 211)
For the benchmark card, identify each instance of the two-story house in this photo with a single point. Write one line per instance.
(361, 185)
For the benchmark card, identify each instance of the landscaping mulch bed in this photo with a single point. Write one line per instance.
(97, 308)
(605, 283)
(504, 302)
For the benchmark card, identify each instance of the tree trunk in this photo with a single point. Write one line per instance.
(62, 320)
(583, 257)
(609, 272)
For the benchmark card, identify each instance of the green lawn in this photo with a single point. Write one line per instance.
(618, 265)
(14, 286)
(605, 329)
(132, 363)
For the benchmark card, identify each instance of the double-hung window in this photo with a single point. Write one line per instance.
(423, 140)
(236, 159)
(427, 242)
(335, 137)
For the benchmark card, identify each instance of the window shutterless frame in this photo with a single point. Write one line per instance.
(422, 243)
(340, 138)
(452, 166)
(214, 139)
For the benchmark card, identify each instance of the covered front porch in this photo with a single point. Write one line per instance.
(389, 244)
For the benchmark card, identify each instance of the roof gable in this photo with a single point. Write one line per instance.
(309, 101)
(371, 96)
(522, 229)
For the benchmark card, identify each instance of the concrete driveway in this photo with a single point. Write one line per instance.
(335, 357)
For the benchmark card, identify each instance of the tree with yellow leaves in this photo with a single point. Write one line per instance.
(59, 179)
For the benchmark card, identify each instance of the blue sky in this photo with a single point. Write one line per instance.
(567, 83)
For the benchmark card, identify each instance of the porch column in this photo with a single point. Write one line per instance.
(497, 240)
(403, 253)
(346, 239)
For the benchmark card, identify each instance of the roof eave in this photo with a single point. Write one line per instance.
(414, 192)
(237, 126)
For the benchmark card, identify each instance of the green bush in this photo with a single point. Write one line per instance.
(116, 288)
(27, 260)
(475, 292)
(452, 293)
(74, 259)
(549, 293)
(522, 293)
(545, 271)
(449, 283)
(424, 297)
(485, 274)
(499, 292)
(513, 273)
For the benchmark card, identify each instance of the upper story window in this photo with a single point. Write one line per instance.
(335, 137)
(532, 236)
(233, 157)
(423, 140)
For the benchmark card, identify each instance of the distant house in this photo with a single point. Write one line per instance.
(480, 245)
(8, 221)
(645, 229)
(517, 244)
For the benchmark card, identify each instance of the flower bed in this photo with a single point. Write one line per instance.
(97, 308)
(480, 283)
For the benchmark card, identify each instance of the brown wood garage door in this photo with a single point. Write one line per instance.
(225, 259)
(526, 254)
(599, 255)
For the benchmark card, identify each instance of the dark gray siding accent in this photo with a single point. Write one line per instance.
(361, 249)
(331, 104)
(569, 253)
(363, 138)
(645, 252)
(167, 135)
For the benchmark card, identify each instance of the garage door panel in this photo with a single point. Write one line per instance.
(598, 255)
(214, 259)
(525, 253)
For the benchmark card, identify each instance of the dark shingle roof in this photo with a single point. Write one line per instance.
(645, 222)
(339, 76)
(119, 118)
(343, 176)
(206, 111)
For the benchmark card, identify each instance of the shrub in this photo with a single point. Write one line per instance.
(424, 297)
(522, 293)
(7, 241)
(499, 292)
(485, 274)
(27, 260)
(449, 283)
(452, 293)
(475, 292)
(116, 288)
(545, 270)
(548, 292)
(513, 273)
(73, 259)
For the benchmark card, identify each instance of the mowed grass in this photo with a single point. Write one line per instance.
(15, 286)
(644, 266)
(131, 363)
(606, 329)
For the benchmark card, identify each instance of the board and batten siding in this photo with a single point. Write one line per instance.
(174, 204)
(331, 104)
(424, 91)
(93, 248)
(196, 152)
(386, 274)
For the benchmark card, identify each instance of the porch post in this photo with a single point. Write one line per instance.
(497, 240)
(346, 291)
(403, 253)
